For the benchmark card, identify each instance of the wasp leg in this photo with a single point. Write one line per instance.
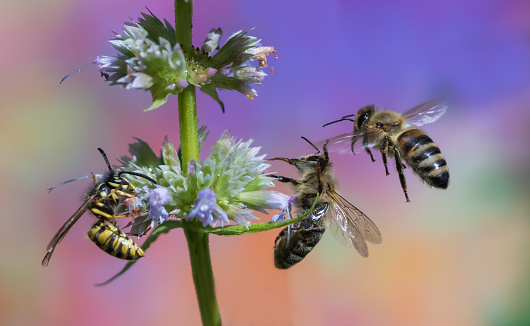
(399, 167)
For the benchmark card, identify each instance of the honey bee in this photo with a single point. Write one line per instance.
(396, 135)
(348, 223)
(105, 200)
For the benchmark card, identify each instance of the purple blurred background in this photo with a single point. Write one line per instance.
(453, 257)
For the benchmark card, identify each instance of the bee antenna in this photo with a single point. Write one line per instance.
(106, 159)
(310, 143)
(344, 118)
(79, 69)
(138, 175)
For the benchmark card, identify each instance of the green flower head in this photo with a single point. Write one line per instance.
(149, 58)
(227, 186)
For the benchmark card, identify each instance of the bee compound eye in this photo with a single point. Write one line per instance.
(362, 119)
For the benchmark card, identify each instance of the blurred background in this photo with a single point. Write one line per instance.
(453, 257)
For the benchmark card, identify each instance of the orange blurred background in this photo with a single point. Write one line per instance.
(453, 257)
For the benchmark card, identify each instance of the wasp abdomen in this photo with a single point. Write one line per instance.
(114, 242)
(424, 157)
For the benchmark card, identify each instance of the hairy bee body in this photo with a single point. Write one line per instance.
(424, 157)
(316, 179)
(391, 134)
(114, 242)
(397, 135)
(291, 247)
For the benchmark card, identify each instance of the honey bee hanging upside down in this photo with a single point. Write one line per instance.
(348, 223)
(105, 200)
(396, 135)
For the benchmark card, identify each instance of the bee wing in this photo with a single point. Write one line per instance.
(343, 143)
(427, 112)
(64, 229)
(354, 224)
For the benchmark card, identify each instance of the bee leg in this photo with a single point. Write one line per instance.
(284, 179)
(383, 154)
(369, 153)
(399, 167)
(386, 142)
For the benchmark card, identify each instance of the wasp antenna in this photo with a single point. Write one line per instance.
(68, 181)
(138, 175)
(310, 143)
(73, 72)
(106, 159)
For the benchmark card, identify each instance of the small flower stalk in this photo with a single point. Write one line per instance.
(150, 58)
(229, 185)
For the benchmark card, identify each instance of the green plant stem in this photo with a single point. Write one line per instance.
(187, 102)
(189, 138)
(198, 242)
(183, 25)
(198, 245)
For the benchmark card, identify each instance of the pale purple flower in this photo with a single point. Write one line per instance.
(206, 209)
(242, 216)
(156, 198)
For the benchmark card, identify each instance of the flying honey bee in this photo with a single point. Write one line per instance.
(396, 135)
(105, 200)
(348, 223)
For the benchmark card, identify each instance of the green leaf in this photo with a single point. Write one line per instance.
(142, 155)
(257, 227)
(158, 101)
(169, 153)
(232, 50)
(203, 134)
(159, 230)
(156, 29)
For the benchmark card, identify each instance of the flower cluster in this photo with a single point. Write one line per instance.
(151, 59)
(225, 187)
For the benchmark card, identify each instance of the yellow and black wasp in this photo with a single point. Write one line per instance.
(105, 200)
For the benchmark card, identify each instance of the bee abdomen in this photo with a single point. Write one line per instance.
(114, 242)
(301, 242)
(424, 157)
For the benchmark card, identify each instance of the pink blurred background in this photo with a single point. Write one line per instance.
(454, 257)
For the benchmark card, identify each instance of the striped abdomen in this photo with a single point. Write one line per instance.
(301, 242)
(424, 157)
(114, 242)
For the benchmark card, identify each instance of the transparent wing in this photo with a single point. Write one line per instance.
(64, 229)
(427, 112)
(354, 224)
(343, 143)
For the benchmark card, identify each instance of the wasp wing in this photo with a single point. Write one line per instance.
(64, 229)
(354, 225)
(427, 112)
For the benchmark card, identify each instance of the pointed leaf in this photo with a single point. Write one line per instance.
(161, 229)
(157, 102)
(169, 153)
